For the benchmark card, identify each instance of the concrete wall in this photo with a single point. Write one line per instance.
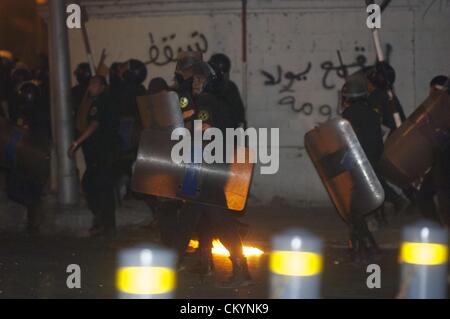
(292, 58)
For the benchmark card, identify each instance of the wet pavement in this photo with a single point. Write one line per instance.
(35, 267)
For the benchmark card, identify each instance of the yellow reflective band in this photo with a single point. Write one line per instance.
(423, 253)
(295, 263)
(183, 102)
(145, 280)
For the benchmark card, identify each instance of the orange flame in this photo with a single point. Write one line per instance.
(220, 250)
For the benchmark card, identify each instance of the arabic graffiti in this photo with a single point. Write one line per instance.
(340, 70)
(306, 108)
(290, 76)
(164, 52)
(331, 71)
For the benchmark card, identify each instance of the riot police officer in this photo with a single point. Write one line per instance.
(219, 222)
(381, 78)
(20, 187)
(100, 142)
(165, 210)
(366, 124)
(227, 90)
(437, 180)
(134, 73)
(441, 169)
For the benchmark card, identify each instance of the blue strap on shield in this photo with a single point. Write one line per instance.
(191, 177)
(10, 148)
(348, 161)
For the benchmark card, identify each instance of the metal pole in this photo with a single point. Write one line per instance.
(68, 192)
(244, 56)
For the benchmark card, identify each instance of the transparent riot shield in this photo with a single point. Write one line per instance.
(344, 169)
(409, 150)
(218, 184)
(160, 110)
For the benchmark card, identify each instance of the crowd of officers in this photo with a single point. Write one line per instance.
(107, 129)
(106, 118)
(373, 110)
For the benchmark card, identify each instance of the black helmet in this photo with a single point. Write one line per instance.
(157, 85)
(205, 70)
(28, 93)
(136, 73)
(83, 73)
(20, 75)
(187, 59)
(381, 75)
(355, 87)
(440, 82)
(220, 63)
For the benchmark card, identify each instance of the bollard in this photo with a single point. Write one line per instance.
(423, 258)
(146, 273)
(296, 265)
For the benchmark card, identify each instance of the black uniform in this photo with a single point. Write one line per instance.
(380, 102)
(441, 174)
(100, 152)
(436, 183)
(230, 95)
(129, 127)
(20, 187)
(206, 107)
(366, 124)
(77, 94)
(213, 221)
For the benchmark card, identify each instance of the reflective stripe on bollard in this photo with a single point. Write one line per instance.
(423, 257)
(146, 273)
(296, 265)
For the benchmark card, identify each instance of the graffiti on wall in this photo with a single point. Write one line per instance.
(164, 49)
(288, 82)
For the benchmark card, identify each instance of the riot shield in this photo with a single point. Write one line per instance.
(217, 184)
(344, 169)
(24, 152)
(160, 110)
(408, 152)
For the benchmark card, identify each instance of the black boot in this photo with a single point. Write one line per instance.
(205, 265)
(400, 204)
(240, 277)
(363, 247)
(380, 217)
